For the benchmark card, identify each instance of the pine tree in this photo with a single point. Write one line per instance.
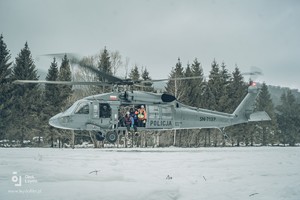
(288, 119)
(187, 97)
(219, 88)
(145, 76)
(236, 92)
(5, 94)
(52, 98)
(197, 85)
(65, 75)
(267, 128)
(224, 103)
(134, 73)
(192, 96)
(104, 65)
(65, 94)
(52, 92)
(26, 98)
(51, 105)
(237, 89)
(175, 86)
(214, 83)
(4, 63)
(221, 82)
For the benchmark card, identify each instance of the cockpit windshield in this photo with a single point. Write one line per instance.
(79, 107)
(71, 109)
(83, 108)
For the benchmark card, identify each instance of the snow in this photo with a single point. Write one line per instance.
(160, 173)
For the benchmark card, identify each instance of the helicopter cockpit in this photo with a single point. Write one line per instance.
(73, 117)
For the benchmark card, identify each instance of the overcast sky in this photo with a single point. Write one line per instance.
(154, 33)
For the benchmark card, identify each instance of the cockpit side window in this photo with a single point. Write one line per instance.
(83, 108)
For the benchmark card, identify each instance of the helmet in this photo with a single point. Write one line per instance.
(127, 113)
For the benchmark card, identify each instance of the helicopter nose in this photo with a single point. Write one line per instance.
(60, 121)
(54, 121)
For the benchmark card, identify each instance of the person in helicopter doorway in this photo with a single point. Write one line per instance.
(133, 114)
(128, 121)
(121, 121)
(142, 116)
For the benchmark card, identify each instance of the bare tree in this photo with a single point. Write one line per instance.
(116, 61)
(83, 74)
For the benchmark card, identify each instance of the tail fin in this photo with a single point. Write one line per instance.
(244, 112)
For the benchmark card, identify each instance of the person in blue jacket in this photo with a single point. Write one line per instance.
(128, 121)
(134, 119)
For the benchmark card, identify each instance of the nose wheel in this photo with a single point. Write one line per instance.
(111, 136)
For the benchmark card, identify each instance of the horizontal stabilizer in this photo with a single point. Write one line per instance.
(259, 116)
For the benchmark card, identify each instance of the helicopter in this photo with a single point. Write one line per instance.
(101, 113)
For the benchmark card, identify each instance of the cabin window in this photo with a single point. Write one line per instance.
(105, 110)
(153, 111)
(166, 112)
(83, 108)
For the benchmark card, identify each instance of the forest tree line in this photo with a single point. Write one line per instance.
(26, 109)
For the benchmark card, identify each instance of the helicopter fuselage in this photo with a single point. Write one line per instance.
(102, 112)
(88, 113)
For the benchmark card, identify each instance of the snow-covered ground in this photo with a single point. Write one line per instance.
(146, 174)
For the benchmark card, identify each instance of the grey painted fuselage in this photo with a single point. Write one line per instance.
(163, 112)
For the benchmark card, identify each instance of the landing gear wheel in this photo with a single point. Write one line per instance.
(100, 136)
(111, 136)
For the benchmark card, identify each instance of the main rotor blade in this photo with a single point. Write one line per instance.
(108, 77)
(143, 86)
(61, 82)
(75, 59)
(252, 73)
(61, 55)
(174, 79)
